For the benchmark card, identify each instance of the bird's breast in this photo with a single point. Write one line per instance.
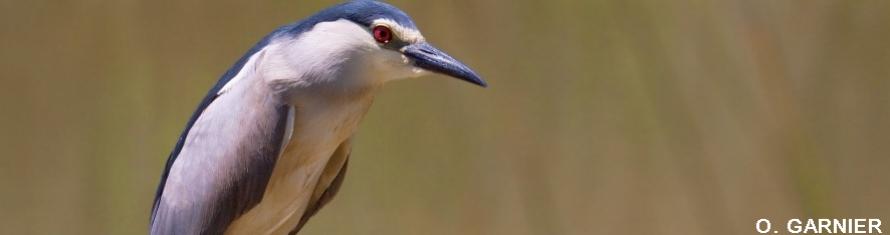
(318, 129)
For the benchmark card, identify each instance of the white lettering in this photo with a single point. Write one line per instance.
(874, 224)
(824, 225)
(811, 227)
(794, 226)
(768, 226)
(859, 226)
(840, 226)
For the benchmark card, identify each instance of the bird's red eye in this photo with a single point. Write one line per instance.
(382, 34)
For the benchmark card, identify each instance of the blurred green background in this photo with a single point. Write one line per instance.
(603, 117)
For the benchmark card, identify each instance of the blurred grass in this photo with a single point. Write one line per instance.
(603, 117)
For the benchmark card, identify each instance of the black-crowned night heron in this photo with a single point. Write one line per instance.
(268, 145)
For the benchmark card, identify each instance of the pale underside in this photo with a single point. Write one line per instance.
(302, 173)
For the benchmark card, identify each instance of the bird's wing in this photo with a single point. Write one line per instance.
(240, 66)
(221, 167)
(328, 183)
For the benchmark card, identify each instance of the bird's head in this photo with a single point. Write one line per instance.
(366, 36)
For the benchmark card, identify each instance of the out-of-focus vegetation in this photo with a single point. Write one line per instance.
(603, 117)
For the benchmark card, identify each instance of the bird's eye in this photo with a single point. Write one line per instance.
(382, 34)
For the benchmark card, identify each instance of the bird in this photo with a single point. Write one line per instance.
(268, 145)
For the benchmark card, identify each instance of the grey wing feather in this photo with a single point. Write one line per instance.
(225, 163)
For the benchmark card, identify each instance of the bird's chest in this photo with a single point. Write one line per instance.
(317, 132)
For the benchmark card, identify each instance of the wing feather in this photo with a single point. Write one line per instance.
(225, 161)
(209, 98)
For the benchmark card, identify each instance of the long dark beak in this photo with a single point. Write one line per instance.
(427, 57)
